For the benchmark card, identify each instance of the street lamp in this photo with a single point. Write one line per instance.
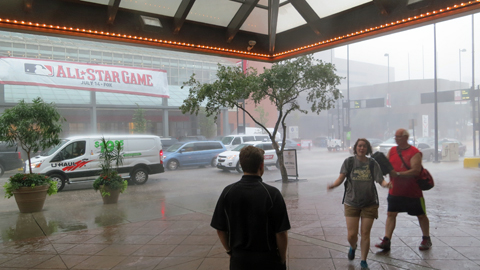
(388, 65)
(460, 64)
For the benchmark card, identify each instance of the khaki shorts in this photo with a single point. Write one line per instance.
(366, 212)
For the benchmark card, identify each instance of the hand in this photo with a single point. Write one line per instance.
(330, 187)
(393, 174)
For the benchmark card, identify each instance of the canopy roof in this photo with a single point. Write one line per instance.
(265, 30)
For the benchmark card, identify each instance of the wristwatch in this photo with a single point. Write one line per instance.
(398, 174)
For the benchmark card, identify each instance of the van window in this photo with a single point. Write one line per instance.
(73, 150)
(267, 146)
(53, 149)
(215, 145)
(236, 141)
(189, 147)
(174, 147)
(227, 140)
(248, 139)
(262, 138)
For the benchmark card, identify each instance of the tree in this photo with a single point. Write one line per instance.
(33, 127)
(262, 115)
(208, 128)
(140, 124)
(282, 84)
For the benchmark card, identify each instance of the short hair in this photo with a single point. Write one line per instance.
(251, 158)
(369, 146)
(404, 132)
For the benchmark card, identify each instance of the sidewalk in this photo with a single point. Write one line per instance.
(184, 240)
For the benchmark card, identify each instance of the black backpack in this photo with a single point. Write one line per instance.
(350, 161)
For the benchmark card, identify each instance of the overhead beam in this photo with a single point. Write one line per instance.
(272, 23)
(112, 10)
(239, 18)
(181, 14)
(308, 14)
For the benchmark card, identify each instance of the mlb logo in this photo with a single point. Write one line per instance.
(39, 69)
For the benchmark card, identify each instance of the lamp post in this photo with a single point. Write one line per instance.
(388, 86)
(388, 66)
(460, 65)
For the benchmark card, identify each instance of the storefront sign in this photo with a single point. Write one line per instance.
(91, 77)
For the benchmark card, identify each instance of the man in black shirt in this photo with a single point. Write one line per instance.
(251, 218)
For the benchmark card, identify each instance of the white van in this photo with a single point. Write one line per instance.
(77, 158)
(231, 141)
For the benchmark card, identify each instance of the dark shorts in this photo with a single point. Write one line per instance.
(256, 261)
(366, 212)
(413, 206)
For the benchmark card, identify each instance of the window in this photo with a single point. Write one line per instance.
(236, 141)
(267, 146)
(189, 147)
(248, 139)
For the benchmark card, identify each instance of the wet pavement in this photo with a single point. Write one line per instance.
(164, 224)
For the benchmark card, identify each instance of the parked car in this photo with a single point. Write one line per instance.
(167, 142)
(232, 141)
(334, 144)
(320, 141)
(291, 144)
(198, 153)
(375, 143)
(385, 146)
(192, 138)
(462, 148)
(428, 152)
(230, 160)
(10, 158)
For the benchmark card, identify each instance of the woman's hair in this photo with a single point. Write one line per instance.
(369, 146)
(251, 158)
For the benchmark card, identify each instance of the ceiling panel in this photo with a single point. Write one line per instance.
(326, 8)
(288, 18)
(257, 22)
(161, 7)
(215, 12)
(205, 28)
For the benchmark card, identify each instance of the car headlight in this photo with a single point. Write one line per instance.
(231, 157)
(35, 165)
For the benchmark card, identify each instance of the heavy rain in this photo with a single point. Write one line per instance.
(162, 220)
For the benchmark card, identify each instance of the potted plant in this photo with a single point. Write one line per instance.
(110, 183)
(33, 127)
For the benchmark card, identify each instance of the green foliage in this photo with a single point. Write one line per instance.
(207, 125)
(28, 180)
(283, 84)
(34, 127)
(109, 176)
(140, 124)
(262, 116)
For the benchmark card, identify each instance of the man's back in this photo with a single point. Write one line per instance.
(252, 212)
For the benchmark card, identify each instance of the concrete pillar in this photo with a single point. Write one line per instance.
(165, 118)
(226, 126)
(93, 120)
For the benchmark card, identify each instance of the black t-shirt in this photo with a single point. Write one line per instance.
(252, 212)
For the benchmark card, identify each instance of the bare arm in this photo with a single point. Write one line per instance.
(416, 166)
(224, 239)
(282, 242)
(337, 182)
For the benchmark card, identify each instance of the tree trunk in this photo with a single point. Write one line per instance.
(283, 170)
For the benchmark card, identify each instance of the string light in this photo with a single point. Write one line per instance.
(220, 49)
